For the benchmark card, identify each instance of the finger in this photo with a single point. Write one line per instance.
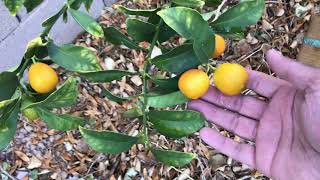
(241, 152)
(245, 105)
(233, 122)
(264, 84)
(288, 69)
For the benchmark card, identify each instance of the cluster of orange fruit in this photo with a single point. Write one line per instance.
(230, 79)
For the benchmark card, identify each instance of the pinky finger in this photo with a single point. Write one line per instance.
(241, 152)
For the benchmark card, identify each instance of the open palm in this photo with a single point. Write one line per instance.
(284, 128)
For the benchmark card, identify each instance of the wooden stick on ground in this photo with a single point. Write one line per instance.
(308, 54)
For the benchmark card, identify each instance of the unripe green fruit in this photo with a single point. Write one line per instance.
(30, 113)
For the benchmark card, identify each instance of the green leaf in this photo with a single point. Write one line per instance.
(138, 12)
(171, 83)
(65, 17)
(140, 30)
(190, 24)
(167, 100)
(115, 37)
(87, 23)
(208, 15)
(8, 83)
(134, 112)
(37, 48)
(240, 16)
(87, 4)
(48, 24)
(8, 124)
(107, 141)
(212, 2)
(178, 60)
(5, 103)
(63, 122)
(176, 124)
(165, 32)
(75, 4)
(31, 4)
(189, 3)
(65, 96)
(173, 158)
(114, 98)
(74, 58)
(13, 5)
(105, 76)
(235, 35)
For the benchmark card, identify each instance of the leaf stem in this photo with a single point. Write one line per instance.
(145, 85)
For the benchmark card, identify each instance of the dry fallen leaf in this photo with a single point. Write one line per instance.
(34, 163)
(22, 156)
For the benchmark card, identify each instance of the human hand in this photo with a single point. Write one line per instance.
(284, 128)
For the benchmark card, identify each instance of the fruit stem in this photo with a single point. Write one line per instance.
(145, 85)
(33, 60)
(211, 67)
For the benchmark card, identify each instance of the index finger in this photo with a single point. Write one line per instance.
(264, 84)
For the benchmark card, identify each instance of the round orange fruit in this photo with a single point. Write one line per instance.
(230, 79)
(42, 78)
(194, 83)
(220, 46)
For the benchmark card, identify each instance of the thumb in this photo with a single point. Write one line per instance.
(298, 74)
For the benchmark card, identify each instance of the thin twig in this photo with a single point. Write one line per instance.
(145, 85)
(218, 10)
(7, 174)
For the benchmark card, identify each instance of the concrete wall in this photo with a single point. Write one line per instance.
(16, 32)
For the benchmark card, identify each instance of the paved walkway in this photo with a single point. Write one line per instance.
(16, 32)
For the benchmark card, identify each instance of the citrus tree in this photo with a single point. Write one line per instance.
(185, 18)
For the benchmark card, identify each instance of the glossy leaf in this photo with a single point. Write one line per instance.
(5, 103)
(165, 32)
(240, 16)
(208, 15)
(105, 76)
(87, 22)
(8, 83)
(176, 124)
(134, 112)
(8, 124)
(167, 100)
(235, 35)
(75, 4)
(63, 122)
(138, 12)
(178, 60)
(48, 24)
(74, 58)
(13, 5)
(65, 96)
(171, 83)
(37, 48)
(115, 37)
(87, 4)
(31, 4)
(108, 141)
(186, 22)
(212, 2)
(173, 158)
(189, 3)
(114, 98)
(140, 30)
